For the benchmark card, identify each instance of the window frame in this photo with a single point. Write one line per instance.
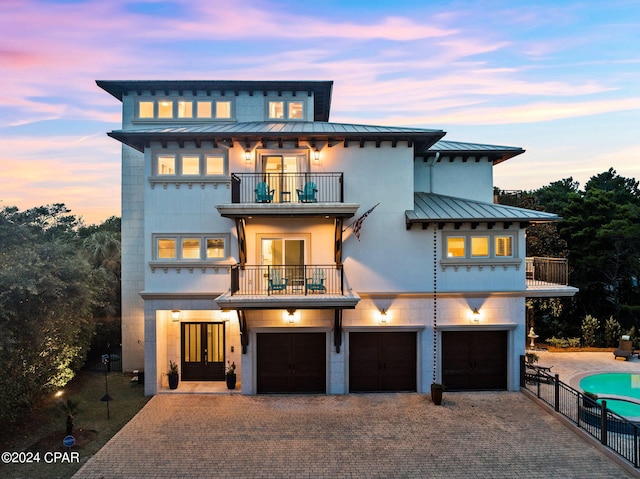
(176, 109)
(179, 164)
(179, 238)
(286, 109)
(468, 252)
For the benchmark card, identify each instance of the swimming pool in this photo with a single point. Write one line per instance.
(624, 385)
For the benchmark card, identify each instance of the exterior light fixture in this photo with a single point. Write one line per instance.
(383, 316)
(316, 155)
(226, 314)
(475, 315)
(291, 315)
(175, 315)
(247, 154)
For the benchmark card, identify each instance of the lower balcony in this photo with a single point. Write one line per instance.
(286, 287)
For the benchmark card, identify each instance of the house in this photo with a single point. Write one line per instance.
(240, 207)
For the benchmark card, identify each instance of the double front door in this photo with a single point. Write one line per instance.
(202, 351)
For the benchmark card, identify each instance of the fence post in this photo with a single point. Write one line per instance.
(603, 423)
(522, 372)
(635, 445)
(556, 385)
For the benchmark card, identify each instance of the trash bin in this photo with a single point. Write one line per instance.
(140, 377)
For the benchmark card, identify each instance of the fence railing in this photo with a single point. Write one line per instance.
(284, 187)
(282, 279)
(612, 430)
(547, 270)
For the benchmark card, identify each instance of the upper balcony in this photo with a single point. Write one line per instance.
(287, 194)
(548, 277)
(288, 287)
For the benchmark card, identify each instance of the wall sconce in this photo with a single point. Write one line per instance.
(475, 315)
(291, 316)
(175, 315)
(247, 155)
(383, 316)
(226, 314)
(316, 155)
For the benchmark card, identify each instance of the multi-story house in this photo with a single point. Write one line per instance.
(245, 239)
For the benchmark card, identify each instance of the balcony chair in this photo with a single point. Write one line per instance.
(625, 348)
(316, 282)
(308, 194)
(263, 194)
(276, 282)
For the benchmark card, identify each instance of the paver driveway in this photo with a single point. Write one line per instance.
(482, 435)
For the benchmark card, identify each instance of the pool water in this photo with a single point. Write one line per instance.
(618, 384)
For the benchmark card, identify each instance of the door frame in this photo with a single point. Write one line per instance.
(220, 365)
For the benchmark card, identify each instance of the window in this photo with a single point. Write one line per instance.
(286, 110)
(223, 109)
(204, 109)
(504, 246)
(185, 109)
(165, 109)
(166, 165)
(479, 246)
(145, 109)
(190, 247)
(455, 247)
(191, 164)
(487, 246)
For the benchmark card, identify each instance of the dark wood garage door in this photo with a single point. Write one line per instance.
(384, 361)
(291, 363)
(474, 360)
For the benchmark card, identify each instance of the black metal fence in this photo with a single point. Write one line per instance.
(612, 430)
(287, 188)
(95, 363)
(283, 279)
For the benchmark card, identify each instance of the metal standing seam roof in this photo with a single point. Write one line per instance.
(434, 208)
(137, 137)
(497, 153)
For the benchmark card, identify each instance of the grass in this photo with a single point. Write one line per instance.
(44, 429)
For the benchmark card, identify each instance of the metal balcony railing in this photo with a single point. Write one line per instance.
(542, 271)
(263, 280)
(284, 187)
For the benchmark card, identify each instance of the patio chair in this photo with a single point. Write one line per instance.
(308, 193)
(316, 282)
(263, 194)
(276, 282)
(625, 348)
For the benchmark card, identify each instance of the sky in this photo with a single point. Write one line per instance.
(560, 79)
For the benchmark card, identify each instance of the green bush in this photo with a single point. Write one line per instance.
(612, 332)
(590, 326)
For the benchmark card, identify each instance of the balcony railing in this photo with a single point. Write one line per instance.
(542, 271)
(284, 187)
(263, 280)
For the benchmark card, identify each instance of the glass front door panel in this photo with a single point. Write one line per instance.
(202, 351)
(284, 174)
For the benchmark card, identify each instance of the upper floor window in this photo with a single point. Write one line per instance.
(479, 246)
(286, 110)
(166, 109)
(190, 247)
(190, 164)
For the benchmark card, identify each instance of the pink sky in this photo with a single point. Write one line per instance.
(555, 78)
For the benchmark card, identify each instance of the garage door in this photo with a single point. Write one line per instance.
(384, 361)
(474, 360)
(291, 363)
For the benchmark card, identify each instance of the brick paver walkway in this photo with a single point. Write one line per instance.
(479, 435)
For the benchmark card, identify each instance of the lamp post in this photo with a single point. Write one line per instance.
(106, 398)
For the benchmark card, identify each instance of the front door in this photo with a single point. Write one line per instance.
(202, 351)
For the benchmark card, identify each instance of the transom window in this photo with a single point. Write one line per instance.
(190, 247)
(479, 246)
(286, 110)
(190, 164)
(166, 109)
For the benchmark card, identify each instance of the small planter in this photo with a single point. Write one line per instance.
(173, 381)
(436, 393)
(231, 381)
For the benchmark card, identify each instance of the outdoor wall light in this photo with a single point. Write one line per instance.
(247, 154)
(383, 315)
(226, 314)
(291, 316)
(316, 155)
(175, 315)
(475, 314)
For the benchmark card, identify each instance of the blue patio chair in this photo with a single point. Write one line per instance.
(316, 282)
(276, 282)
(308, 193)
(263, 194)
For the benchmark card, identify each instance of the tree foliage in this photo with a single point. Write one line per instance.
(49, 290)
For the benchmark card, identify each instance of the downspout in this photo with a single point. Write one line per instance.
(431, 171)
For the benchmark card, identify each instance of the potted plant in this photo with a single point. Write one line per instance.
(231, 375)
(436, 393)
(173, 375)
(532, 358)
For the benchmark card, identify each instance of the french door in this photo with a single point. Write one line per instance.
(285, 257)
(202, 351)
(282, 174)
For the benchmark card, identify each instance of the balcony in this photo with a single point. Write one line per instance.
(284, 194)
(283, 287)
(548, 277)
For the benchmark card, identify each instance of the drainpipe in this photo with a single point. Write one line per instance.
(431, 171)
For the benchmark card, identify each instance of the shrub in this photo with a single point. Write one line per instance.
(590, 326)
(612, 332)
